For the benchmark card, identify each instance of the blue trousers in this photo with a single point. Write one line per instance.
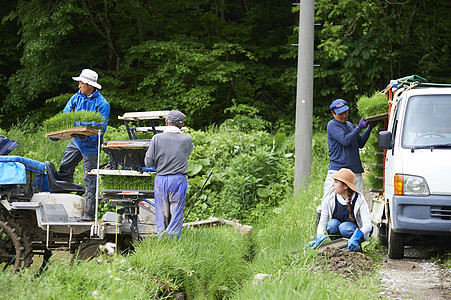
(345, 229)
(72, 156)
(170, 198)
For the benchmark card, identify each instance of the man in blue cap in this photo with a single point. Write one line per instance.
(344, 143)
(168, 153)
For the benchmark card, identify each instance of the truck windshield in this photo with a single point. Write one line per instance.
(427, 122)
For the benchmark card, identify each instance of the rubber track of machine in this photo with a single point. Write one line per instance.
(27, 255)
(7, 250)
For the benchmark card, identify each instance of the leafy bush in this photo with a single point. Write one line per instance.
(251, 172)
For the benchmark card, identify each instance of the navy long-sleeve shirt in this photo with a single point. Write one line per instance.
(344, 143)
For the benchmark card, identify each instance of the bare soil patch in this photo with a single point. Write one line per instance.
(346, 263)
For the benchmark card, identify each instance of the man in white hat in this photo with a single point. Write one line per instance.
(88, 98)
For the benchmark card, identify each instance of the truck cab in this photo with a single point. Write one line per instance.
(416, 204)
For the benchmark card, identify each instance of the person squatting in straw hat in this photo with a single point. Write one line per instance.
(88, 98)
(344, 142)
(344, 212)
(168, 153)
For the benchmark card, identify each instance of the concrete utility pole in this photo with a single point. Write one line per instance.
(304, 96)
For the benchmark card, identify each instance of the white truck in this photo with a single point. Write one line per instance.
(416, 204)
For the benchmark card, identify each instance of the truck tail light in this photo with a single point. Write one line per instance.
(399, 184)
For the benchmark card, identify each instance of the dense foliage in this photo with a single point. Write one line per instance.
(208, 58)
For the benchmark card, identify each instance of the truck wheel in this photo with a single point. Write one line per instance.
(395, 244)
(382, 235)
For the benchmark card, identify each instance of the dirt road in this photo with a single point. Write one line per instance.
(414, 277)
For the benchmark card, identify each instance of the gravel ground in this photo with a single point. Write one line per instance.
(414, 277)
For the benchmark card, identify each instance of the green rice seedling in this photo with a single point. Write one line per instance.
(118, 182)
(63, 121)
(373, 105)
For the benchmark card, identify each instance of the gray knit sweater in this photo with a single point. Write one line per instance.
(168, 152)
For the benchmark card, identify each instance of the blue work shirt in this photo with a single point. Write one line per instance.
(96, 103)
(344, 143)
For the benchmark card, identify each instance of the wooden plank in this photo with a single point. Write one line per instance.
(119, 172)
(66, 134)
(145, 115)
(340, 243)
(244, 229)
(157, 128)
(376, 117)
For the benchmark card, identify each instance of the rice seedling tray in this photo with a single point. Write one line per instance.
(146, 115)
(376, 117)
(66, 134)
(119, 172)
(125, 180)
(128, 144)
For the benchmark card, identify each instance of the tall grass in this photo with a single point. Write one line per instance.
(104, 279)
(208, 263)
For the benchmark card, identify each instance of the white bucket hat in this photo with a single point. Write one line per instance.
(89, 77)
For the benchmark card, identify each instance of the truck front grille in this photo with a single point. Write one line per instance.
(442, 212)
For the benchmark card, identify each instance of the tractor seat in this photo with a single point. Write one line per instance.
(59, 186)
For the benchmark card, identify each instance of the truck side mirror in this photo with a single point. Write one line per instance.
(385, 140)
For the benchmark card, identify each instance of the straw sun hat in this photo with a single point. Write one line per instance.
(89, 77)
(346, 176)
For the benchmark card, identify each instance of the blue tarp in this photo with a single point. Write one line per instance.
(13, 169)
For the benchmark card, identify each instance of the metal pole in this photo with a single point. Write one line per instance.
(96, 227)
(304, 96)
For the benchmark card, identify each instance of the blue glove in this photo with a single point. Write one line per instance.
(355, 239)
(362, 124)
(319, 239)
(373, 124)
(54, 140)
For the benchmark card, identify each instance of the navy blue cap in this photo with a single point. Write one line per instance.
(176, 117)
(339, 106)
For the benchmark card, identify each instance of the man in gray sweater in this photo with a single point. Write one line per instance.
(168, 153)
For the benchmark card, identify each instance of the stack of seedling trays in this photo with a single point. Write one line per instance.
(375, 107)
(64, 126)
